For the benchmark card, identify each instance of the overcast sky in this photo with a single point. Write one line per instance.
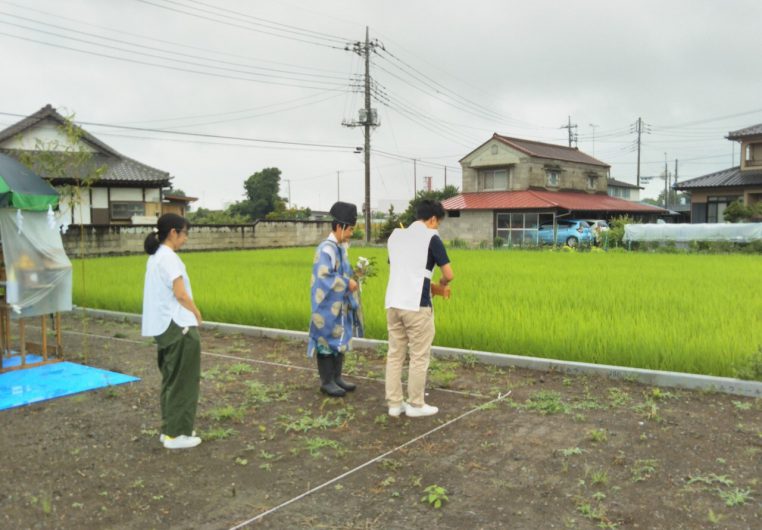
(449, 75)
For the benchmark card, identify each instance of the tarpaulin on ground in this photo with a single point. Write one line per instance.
(50, 381)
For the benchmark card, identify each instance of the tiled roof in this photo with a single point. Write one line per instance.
(747, 131)
(536, 199)
(119, 168)
(620, 184)
(122, 170)
(548, 151)
(727, 178)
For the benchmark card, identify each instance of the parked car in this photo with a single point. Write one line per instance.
(570, 232)
(598, 226)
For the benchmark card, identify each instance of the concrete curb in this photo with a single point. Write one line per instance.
(660, 378)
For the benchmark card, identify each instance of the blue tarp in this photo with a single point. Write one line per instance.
(50, 381)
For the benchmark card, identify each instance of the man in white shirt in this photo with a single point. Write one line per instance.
(413, 252)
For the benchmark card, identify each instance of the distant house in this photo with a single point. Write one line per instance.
(511, 186)
(127, 192)
(174, 203)
(712, 193)
(623, 190)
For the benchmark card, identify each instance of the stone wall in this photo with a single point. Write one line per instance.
(473, 226)
(112, 240)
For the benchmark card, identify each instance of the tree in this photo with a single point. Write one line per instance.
(205, 216)
(408, 216)
(675, 199)
(392, 222)
(261, 195)
(65, 161)
(281, 212)
(736, 212)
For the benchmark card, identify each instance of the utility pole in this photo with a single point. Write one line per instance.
(639, 130)
(445, 168)
(367, 117)
(572, 136)
(674, 181)
(338, 186)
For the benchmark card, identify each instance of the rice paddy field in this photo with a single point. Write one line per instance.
(680, 312)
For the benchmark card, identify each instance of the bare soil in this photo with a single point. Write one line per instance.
(559, 452)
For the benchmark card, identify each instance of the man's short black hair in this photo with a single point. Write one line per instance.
(428, 208)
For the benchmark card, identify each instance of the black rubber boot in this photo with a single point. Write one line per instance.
(338, 364)
(325, 369)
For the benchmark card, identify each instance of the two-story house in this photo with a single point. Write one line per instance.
(126, 192)
(511, 186)
(712, 193)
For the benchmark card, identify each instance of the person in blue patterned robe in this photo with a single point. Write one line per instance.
(335, 302)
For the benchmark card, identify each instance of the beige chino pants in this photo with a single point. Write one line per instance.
(413, 330)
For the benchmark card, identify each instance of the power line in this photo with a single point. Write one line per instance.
(200, 135)
(176, 60)
(164, 41)
(169, 67)
(235, 25)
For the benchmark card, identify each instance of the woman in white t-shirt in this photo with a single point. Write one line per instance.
(172, 319)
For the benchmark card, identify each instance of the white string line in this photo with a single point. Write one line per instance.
(499, 397)
(268, 363)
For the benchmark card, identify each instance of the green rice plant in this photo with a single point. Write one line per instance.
(625, 317)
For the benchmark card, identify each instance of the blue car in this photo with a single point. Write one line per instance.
(570, 232)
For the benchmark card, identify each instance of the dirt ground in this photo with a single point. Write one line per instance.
(558, 452)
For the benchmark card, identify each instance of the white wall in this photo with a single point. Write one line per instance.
(127, 194)
(47, 132)
(100, 197)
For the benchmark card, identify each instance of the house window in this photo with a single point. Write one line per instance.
(626, 194)
(592, 181)
(494, 179)
(517, 229)
(125, 210)
(754, 154)
(715, 207)
(552, 177)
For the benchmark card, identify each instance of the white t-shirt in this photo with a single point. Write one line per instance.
(159, 303)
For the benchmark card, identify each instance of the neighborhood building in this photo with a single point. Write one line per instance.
(126, 191)
(512, 186)
(712, 193)
(623, 190)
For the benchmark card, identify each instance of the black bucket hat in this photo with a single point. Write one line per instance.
(344, 213)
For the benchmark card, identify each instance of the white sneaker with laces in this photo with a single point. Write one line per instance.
(163, 437)
(395, 412)
(419, 412)
(181, 442)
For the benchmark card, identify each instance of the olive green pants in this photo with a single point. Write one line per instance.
(179, 360)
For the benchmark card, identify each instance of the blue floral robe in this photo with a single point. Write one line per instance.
(334, 318)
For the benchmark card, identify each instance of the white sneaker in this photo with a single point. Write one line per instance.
(163, 437)
(395, 412)
(418, 412)
(181, 442)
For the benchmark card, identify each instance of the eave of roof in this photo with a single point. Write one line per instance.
(543, 150)
(726, 178)
(536, 199)
(740, 134)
